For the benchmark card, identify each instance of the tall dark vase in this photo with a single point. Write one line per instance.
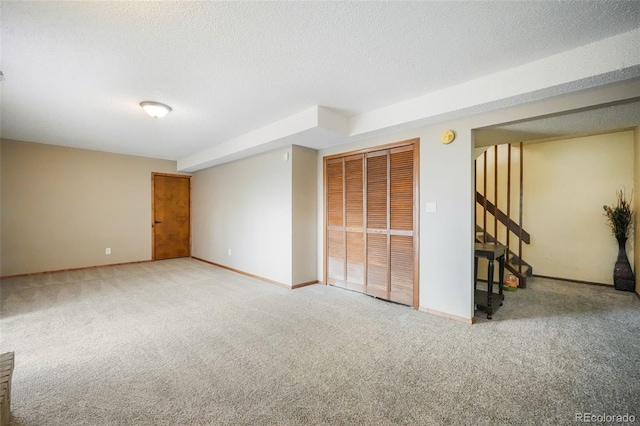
(623, 278)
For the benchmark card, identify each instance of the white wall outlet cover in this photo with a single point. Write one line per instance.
(107, 251)
(431, 207)
(286, 156)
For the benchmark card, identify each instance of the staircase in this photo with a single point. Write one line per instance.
(491, 220)
(514, 264)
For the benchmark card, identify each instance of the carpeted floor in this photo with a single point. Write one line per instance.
(181, 342)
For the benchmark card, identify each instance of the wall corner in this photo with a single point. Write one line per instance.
(636, 193)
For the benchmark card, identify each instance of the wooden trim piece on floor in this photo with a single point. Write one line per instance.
(74, 269)
(238, 271)
(448, 316)
(295, 286)
(573, 281)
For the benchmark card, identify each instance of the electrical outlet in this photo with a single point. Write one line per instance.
(229, 252)
(107, 251)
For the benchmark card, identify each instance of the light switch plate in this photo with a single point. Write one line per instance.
(431, 207)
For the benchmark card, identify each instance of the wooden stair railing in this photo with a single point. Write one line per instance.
(503, 218)
(514, 264)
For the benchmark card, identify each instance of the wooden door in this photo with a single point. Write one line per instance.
(171, 220)
(371, 227)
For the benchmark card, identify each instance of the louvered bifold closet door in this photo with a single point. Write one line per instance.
(335, 223)
(401, 212)
(354, 229)
(371, 232)
(377, 224)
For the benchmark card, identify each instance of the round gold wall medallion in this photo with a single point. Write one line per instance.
(447, 136)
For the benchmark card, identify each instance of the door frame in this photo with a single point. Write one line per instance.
(416, 207)
(153, 211)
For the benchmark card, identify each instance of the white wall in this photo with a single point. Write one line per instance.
(304, 213)
(446, 177)
(445, 242)
(245, 206)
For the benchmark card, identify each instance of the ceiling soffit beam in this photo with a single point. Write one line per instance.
(272, 136)
(612, 60)
(608, 56)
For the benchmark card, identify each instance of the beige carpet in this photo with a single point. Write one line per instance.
(181, 342)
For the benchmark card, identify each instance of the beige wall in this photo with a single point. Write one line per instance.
(61, 207)
(304, 238)
(566, 183)
(636, 196)
(245, 206)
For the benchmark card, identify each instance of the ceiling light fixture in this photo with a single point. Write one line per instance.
(155, 109)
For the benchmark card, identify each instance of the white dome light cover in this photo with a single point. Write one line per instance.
(155, 109)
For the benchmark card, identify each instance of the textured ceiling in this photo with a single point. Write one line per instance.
(595, 120)
(75, 72)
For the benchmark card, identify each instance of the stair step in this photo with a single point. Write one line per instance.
(526, 269)
(513, 261)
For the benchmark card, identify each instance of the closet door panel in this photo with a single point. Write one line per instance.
(401, 189)
(354, 187)
(355, 261)
(377, 190)
(335, 236)
(401, 212)
(336, 258)
(377, 224)
(371, 226)
(335, 193)
(377, 266)
(402, 269)
(354, 199)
